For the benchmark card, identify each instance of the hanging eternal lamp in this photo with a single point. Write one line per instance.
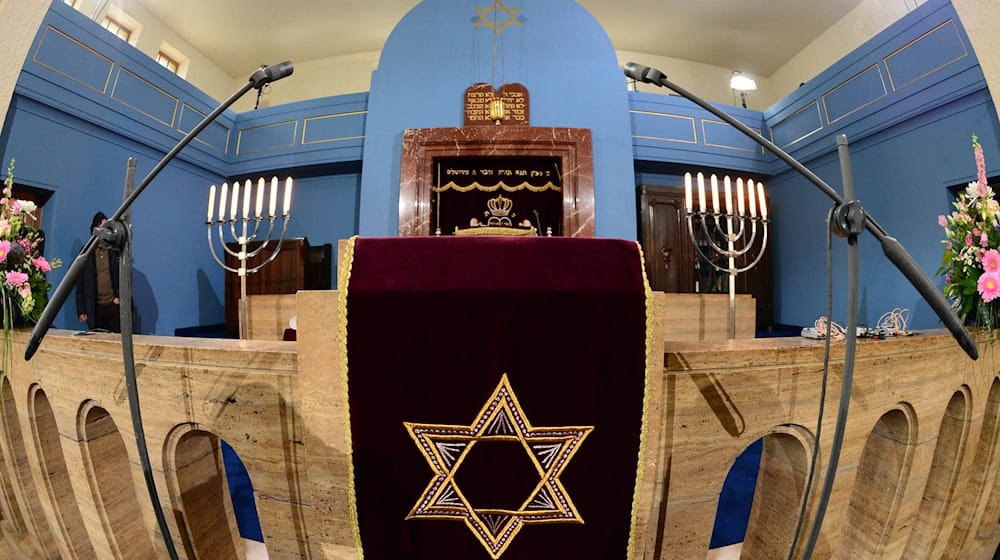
(497, 111)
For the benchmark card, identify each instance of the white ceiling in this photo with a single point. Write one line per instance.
(756, 36)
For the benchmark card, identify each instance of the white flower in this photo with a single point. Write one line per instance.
(27, 206)
(972, 190)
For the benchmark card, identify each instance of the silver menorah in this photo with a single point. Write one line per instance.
(244, 229)
(736, 230)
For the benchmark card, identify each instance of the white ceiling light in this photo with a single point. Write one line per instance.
(740, 82)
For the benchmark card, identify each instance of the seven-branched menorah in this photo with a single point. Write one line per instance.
(241, 232)
(730, 227)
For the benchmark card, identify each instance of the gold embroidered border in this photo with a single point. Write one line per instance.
(342, 283)
(500, 185)
(650, 371)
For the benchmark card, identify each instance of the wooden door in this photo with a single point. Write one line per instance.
(666, 244)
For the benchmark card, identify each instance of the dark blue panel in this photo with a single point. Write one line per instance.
(665, 129)
(72, 59)
(241, 492)
(144, 97)
(855, 94)
(736, 498)
(663, 126)
(215, 135)
(329, 128)
(931, 52)
(266, 137)
(718, 134)
(798, 126)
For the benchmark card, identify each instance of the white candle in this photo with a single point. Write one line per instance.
(288, 195)
(729, 195)
(222, 202)
(247, 188)
(260, 198)
(701, 193)
(687, 192)
(274, 197)
(751, 195)
(211, 201)
(760, 197)
(739, 196)
(715, 193)
(236, 200)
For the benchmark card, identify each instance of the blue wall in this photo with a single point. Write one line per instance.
(325, 210)
(559, 52)
(86, 101)
(901, 177)
(909, 101)
(175, 282)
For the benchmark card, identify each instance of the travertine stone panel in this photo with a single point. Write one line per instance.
(781, 482)
(268, 315)
(949, 448)
(697, 317)
(57, 482)
(22, 475)
(107, 466)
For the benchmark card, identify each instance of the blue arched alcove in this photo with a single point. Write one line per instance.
(555, 48)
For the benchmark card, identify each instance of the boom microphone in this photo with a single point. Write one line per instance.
(641, 73)
(272, 73)
(258, 79)
(890, 247)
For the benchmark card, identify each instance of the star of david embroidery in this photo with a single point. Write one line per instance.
(498, 26)
(445, 447)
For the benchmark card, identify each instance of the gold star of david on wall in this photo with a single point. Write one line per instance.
(498, 26)
(445, 447)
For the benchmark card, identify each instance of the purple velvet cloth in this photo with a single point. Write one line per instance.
(433, 325)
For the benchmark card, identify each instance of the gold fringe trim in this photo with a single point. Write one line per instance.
(500, 185)
(510, 231)
(342, 284)
(646, 398)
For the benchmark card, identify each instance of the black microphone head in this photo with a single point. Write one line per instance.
(281, 70)
(267, 74)
(636, 71)
(645, 74)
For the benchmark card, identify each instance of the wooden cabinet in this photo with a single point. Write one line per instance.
(299, 266)
(672, 262)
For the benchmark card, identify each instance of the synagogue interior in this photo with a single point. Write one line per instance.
(499, 280)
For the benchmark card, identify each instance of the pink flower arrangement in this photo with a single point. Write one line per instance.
(24, 287)
(15, 278)
(971, 261)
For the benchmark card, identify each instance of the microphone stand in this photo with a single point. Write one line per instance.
(115, 234)
(848, 220)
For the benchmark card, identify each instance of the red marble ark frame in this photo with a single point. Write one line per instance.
(420, 146)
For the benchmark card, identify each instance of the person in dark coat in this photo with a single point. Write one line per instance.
(97, 291)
